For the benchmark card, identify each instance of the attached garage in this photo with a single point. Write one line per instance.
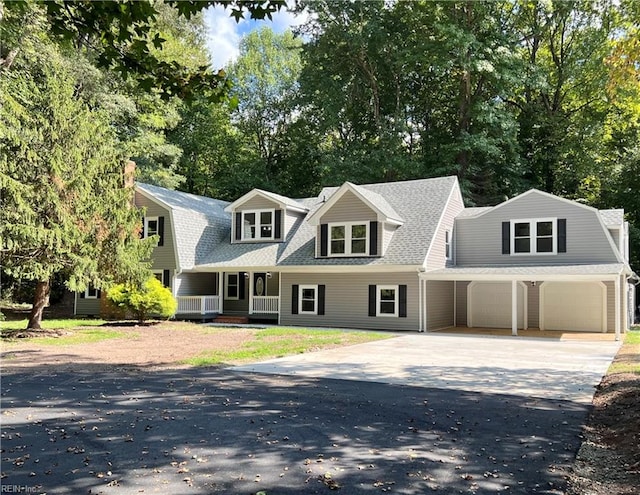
(489, 305)
(577, 306)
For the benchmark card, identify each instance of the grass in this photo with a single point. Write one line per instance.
(278, 342)
(81, 336)
(78, 333)
(628, 358)
(56, 324)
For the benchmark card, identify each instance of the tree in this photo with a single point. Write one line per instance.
(63, 200)
(152, 299)
(120, 34)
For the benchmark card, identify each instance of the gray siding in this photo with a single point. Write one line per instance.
(349, 208)
(611, 306)
(163, 256)
(196, 284)
(87, 307)
(533, 305)
(461, 304)
(257, 203)
(479, 240)
(387, 234)
(347, 300)
(437, 256)
(439, 304)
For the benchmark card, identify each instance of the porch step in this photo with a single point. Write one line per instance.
(239, 320)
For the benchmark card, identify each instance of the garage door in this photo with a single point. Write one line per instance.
(489, 305)
(577, 306)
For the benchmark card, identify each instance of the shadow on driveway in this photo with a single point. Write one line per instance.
(193, 431)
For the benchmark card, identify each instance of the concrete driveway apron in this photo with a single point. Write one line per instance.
(551, 369)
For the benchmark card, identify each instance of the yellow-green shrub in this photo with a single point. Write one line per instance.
(152, 299)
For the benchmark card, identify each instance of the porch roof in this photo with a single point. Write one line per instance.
(534, 272)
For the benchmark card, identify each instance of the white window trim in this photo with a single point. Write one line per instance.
(258, 224)
(448, 246)
(533, 236)
(146, 226)
(315, 300)
(395, 288)
(86, 293)
(347, 239)
(159, 272)
(226, 286)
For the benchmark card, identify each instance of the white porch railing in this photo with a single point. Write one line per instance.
(266, 304)
(198, 304)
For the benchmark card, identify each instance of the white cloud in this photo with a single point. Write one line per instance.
(224, 34)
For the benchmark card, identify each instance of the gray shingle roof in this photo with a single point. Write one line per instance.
(473, 211)
(612, 218)
(200, 223)
(419, 203)
(378, 202)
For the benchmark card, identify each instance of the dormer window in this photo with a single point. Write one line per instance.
(348, 239)
(536, 236)
(257, 225)
(447, 245)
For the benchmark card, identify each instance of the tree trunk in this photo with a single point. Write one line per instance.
(40, 301)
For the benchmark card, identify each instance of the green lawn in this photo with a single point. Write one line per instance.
(628, 358)
(78, 331)
(56, 324)
(278, 342)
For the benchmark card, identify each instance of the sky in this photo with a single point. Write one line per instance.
(224, 34)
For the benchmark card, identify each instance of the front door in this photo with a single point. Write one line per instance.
(259, 284)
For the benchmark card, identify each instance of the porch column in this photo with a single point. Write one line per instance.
(617, 307)
(514, 307)
(421, 305)
(221, 291)
(279, 296)
(251, 293)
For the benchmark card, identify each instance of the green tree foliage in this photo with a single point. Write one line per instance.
(150, 299)
(121, 35)
(63, 203)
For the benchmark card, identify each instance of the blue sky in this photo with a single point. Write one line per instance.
(224, 34)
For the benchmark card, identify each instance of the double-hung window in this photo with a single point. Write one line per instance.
(91, 293)
(534, 236)
(447, 244)
(150, 226)
(257, 224)
(348, 239)
(232, 286)
(308, 302)
(387, 300)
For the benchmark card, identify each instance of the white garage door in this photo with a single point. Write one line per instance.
(489, 305)
(577, 306)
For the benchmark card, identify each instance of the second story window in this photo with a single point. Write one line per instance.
(150, 226)
(447, 245)
(257, 224)
(349, 239)
(536, 236)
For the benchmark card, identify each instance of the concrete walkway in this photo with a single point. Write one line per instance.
(551, 369)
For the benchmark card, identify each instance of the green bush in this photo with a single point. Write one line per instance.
(152, 299)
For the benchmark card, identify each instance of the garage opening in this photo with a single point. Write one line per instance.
(489, 305)
(573, 306)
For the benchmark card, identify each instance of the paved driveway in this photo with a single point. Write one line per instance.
(552, 369)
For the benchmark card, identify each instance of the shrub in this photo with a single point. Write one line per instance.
(152, 299)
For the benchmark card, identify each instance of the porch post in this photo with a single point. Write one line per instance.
(514, 307)
(421, 305)
(279, 296)
(221, 291)
(617, 306)
(250, 293)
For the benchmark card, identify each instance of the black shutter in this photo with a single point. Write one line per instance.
(142, 229)
(82, 294)
(373, 239)
(278, 225)
(294, 299)
(506, 237)
(166, 278)
(562, 235)
(321, 292)
(324, 239)
(161, 231)
(402, 310)
(238, 236)
(241, 285)
(372, 300)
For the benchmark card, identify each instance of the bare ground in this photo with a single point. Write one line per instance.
(608, 462)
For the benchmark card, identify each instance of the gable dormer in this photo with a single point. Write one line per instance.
(354, 222)
(262, 216)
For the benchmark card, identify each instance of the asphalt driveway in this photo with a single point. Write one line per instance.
(527, 367)
(202, 431)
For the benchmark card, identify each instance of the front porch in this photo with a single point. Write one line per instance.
(248, 294)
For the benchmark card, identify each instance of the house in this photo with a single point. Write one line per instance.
(402, 255)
